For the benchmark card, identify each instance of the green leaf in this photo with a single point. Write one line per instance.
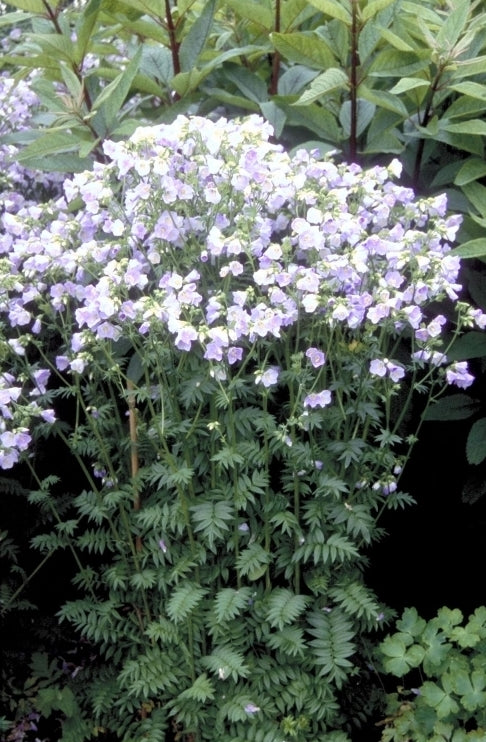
(476, 442)
(251, 85)
(184, 600)
(193, 43)
(84, 28)
(474, 127)
(201, 691)
(107, 105)
(471, 249)
(332, 9)
(283, 607)
(385, 100)
(471, 688)
(435, 696)
(472, 169)
(373, 7)
(400, 657)
(470, 345)
(409, 83)
(32, 6)
(226, 662)
(392, 63)
(455, 407)
(304, 49)
(330, 80)
(471, 89)
(395, 40)
(365, 113)
(255, 12)
(230, 602)
(253, 561)
(476, 193)
(453, 26)
(275, 116)
(411, 623)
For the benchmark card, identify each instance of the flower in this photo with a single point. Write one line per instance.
(316, 357)
(459, 375)
(267, 378)
(318, 399)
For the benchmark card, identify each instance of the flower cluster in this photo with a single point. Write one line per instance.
(211, 238)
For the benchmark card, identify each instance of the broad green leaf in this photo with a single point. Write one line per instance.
(476, 442)
(156, 62)
(275, 116)
(195, 40)
(454, 407)
(471, 688)
(107, 105)
(48, 143)
(435, 696)
(395, 40)
(333, 9)
(453, 26)
(294, 79)
(470, 345)
(476, 193)
(474, 127)
(56, 45)
(392, 63)
(364, 114)
(373, 7)
(471, 89)
(399, 656)
(254, 12)
(72, 82)
(472, 169)
(409, 83)
(385, 100)
(232, 99)
(330, 80)
(84, 28)
(304, 49)
(471, 249)
(317, 120)
(251, 85)
(469, 68)
(31, 6)
(410, 622)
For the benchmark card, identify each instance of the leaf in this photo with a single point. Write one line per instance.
(107, 105)
(470, 345)
(230, 602)
(294, 79)
(392, 63)
(275, 116)
(84, 28)
(471, 249)
(471, 688)
(454, 407)
(437, 697)
(399, 656)
(365, 113)
(255, 12)
(373, 7)
(184, 600)
(472, 169)
(471, 89)
(201, 690)
(332, 9)
(453, 26)
(304, 49)
(283, 607)
(253, 561)
(411, 623)
(476, 193)
(330, 80)
(395, 40)
(226, 662)
(476, 442)
(251, 85)
(474, 127)
(409, 83)
(193, 43)
(31, 6)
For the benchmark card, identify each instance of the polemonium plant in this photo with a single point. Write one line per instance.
(226, 340)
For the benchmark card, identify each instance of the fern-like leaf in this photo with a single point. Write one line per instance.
(225, 662)
(333, 644)
(230, 602)
(183, 601)
(284, 607)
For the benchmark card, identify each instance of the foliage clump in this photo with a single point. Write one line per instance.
(226, 340)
